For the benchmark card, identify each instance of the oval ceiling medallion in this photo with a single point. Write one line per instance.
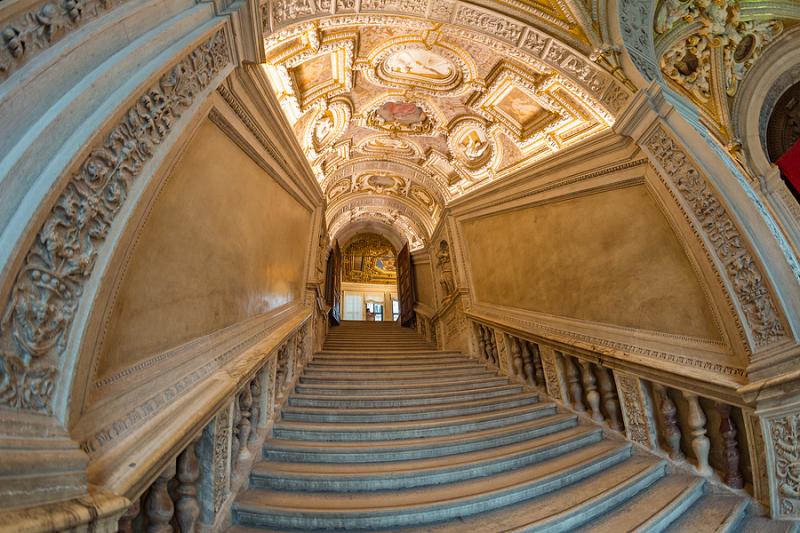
(412, 65)
(387, 145)
(400, 116)
(326, 128)
(473, 149)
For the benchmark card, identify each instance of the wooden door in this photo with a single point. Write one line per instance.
(333, 284)
(405, 287)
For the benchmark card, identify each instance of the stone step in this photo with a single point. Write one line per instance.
(382, 509)
(394, 376)
(403, 413)
(416, 448)
(407, 357)
(712, 513)
(412, 429)
(652, 509)
(463, 384)
(383, 366)
(421, 472)
(420, 378)
(396, 400)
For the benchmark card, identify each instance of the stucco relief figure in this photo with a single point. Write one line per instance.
(421, 63)
(446, 279)
(474, 144)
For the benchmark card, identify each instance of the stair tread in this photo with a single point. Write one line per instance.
(386, 501)
(419, 465)
(668, 493)
(412, 408)
(361, 446)
(378, 386)
(410, 424)
(419, 396)
(713, 512)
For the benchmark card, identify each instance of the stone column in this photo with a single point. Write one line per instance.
(637, 409)
(554, 377)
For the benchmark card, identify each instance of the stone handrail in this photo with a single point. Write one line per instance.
(693, 428)
(208, 472)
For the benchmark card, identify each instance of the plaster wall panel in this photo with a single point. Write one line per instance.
(223, 242)
(423, 283)
(608, 257)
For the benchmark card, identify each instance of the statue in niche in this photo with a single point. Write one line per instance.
(446, 279)
(322, 254)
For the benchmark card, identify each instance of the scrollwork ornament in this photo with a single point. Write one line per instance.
(719, 228)
(785, 434)
(47, 289)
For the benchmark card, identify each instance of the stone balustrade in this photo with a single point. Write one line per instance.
(690, 427)
(197, 484)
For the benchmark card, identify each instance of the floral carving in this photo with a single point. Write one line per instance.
(786, 442)
(499, 27)
(713, 219)
(41, 27)
(222, 429)
(636, 419)
(49, 285)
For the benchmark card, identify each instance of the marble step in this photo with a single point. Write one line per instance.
(388, 379)
(415, 448)
(412, 429)
(712, 513)
(420, 472)
(394, 376)
(653, 509)
(403, 413)
(382, 509)
(371, 389)
(387, 366)
(407, 357)
(401, 399)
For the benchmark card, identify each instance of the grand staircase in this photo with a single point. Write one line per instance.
(385, 432)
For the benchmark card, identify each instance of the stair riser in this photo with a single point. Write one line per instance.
(395, 376)
(389, 381)
(397, 368)
(334, 417)
(675, 510)
(302, 401)
(466, 386)
(433, 513)
(406, 454)
(618, 496)
(411, 433)
(400, 480)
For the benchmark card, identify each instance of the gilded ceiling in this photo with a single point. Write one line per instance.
(369, 258)
(399, 115)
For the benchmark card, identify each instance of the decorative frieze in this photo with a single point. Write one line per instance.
(719, 229)
(49, 285)
(44, 24)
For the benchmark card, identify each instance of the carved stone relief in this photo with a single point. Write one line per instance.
(784, 436)
(47, 291)
(637, 409)
(721, 232)
(552, 375)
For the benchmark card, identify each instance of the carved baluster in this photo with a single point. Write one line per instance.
(126, 520)
(731, 474)
(590, 389)
(245, 402)
(481, 341)
(608, 394)
(672, 432)
(493, 343)
(255, 391)
(700, 443)
(574, 384)
(527, 361)
(516, 356)
(187, 508)
(537, 365)
(158, 507)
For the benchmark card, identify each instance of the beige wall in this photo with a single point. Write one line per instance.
(423, 283)
(223, 242)
(609, 257)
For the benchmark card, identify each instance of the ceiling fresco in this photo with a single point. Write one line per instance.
(399, 115)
